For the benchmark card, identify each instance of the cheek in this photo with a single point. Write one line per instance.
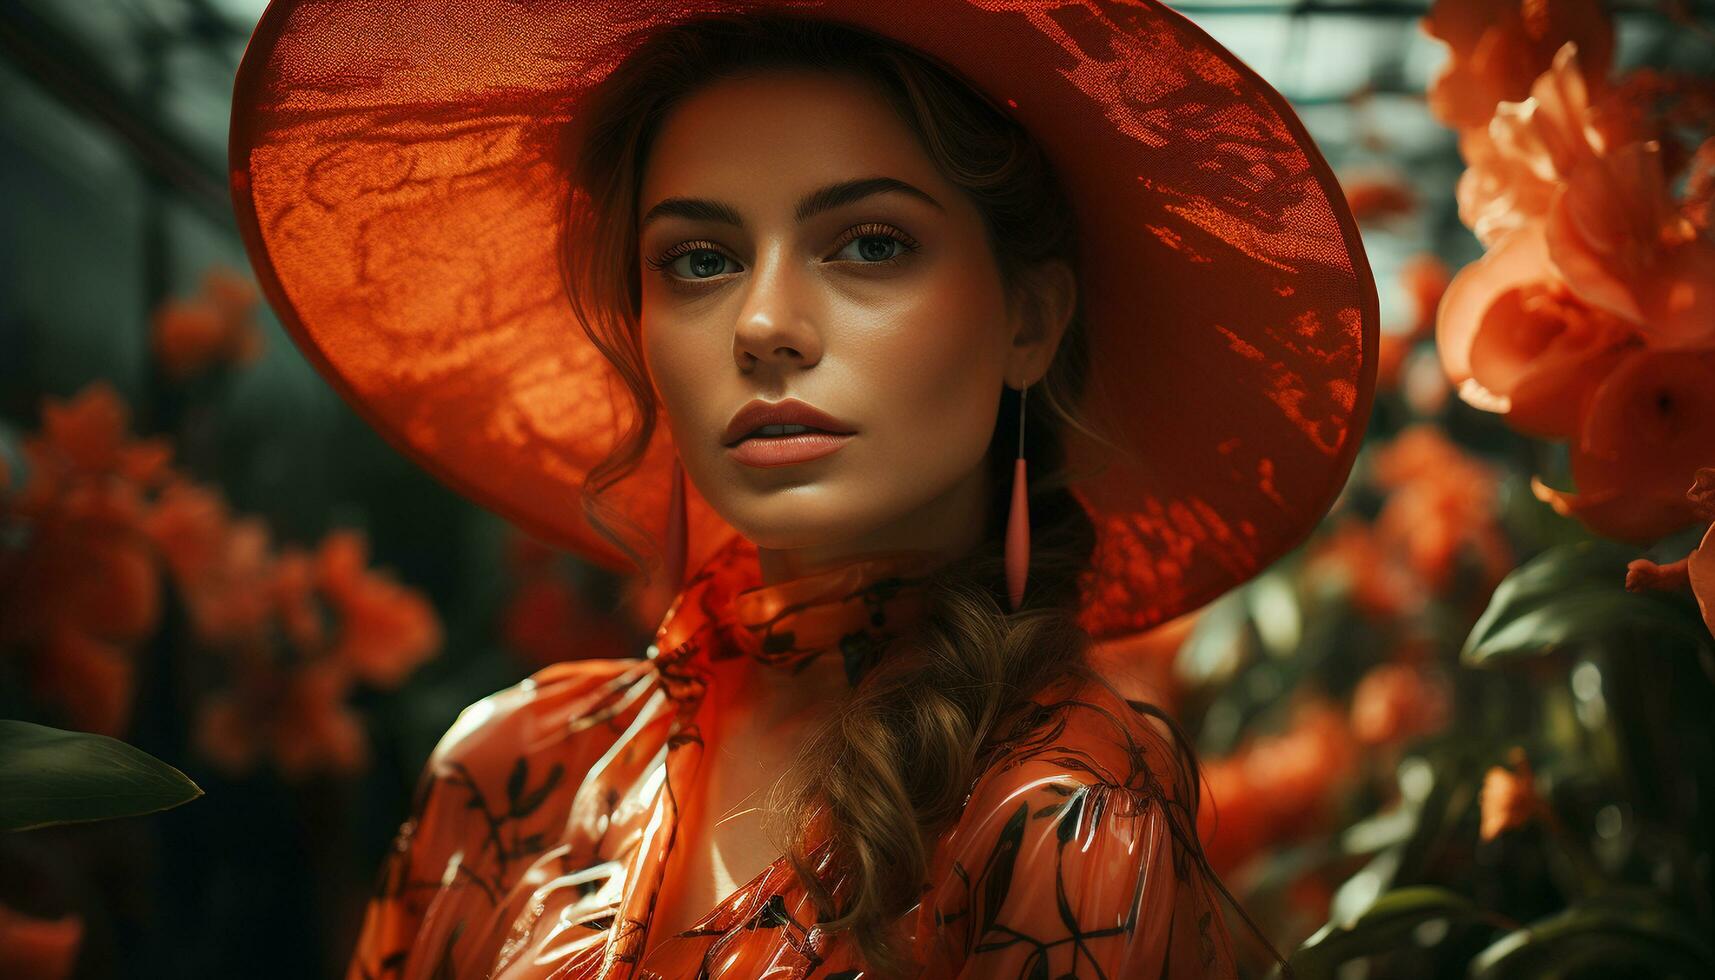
(675, 359)
(941, 366)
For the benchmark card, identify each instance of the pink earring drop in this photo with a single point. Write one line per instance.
(676, 530)
(1018, 521)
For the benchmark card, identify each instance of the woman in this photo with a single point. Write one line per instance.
(871, 738)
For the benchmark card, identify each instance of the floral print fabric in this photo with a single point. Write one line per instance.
(544, 818)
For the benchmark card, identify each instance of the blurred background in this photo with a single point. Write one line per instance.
(1464, 729)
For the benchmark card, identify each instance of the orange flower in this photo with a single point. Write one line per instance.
(230, 291)
(1350, 559)
(227, 734)
(188, 524)
(1617, 236)
(293, 591)
(90, 680)
(222, 566)
(1650, 425)
(314, 730)
(1695, 571)
(1498, 47)
(1298, 770)
(1700, 569)
(88, 431)
(1678, 109)
(1425, 279)
(1515, 340)
(88, 435)
(289, 708)
(1422, 452)
(1396, 702)
(1233, 819)
(38, 949)
(85, 587)
(297, 717)
(234, 606)
(1509, 799)
(189, 335)
(384, 629)
(340, 560)
(225, 568)
(192, 335)
(1702, 494)
(1278, 787)
(1641, 574)
(1442, 506)
(1698, 204)
(97, 576)
(1521, 158)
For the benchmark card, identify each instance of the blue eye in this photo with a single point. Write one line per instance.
(691, 261)
(702, 263)
(876, 248)
(878, 244)
(701, 260)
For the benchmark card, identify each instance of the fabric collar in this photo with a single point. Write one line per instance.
(853, 609)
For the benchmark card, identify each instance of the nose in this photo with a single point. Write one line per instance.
(775, 326)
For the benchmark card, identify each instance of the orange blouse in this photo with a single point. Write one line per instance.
(543, 820)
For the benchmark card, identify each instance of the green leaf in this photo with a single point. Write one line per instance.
(1622, 934)
(1387, 925)
(1359, 893)
(53, 777)
(1573, 596)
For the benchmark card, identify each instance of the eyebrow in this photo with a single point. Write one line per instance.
(812, 204)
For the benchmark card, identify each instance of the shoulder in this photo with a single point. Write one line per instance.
(1082, 734)
(516, 757)
(1079, 835)
(1080, 753)
(496, 790)
(527, 746)
(571, 700)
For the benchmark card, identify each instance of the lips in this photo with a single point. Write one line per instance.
(790, 411)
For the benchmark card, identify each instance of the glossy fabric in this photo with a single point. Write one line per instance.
(396, 176)
(544, 819)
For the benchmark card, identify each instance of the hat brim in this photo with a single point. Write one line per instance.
(395, 179)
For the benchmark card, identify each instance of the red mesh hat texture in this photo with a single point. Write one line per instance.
(395, 171)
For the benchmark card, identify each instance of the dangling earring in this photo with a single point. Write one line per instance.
(674, 564)
(1018, 521)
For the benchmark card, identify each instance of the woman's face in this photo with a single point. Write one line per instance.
(797, 243)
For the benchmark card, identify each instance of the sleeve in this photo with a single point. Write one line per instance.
(1053, 874)
(496, 789)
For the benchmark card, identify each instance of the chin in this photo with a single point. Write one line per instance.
(779, 522)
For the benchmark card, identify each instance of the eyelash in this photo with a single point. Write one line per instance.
(871, 230)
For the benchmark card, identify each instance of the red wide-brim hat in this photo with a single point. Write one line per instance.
(396, 173)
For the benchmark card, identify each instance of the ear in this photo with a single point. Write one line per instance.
(1048, 298)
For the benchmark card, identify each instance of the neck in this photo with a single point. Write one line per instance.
(763, 699)
(948, 527)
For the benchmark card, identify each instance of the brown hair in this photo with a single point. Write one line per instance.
(902, 753)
